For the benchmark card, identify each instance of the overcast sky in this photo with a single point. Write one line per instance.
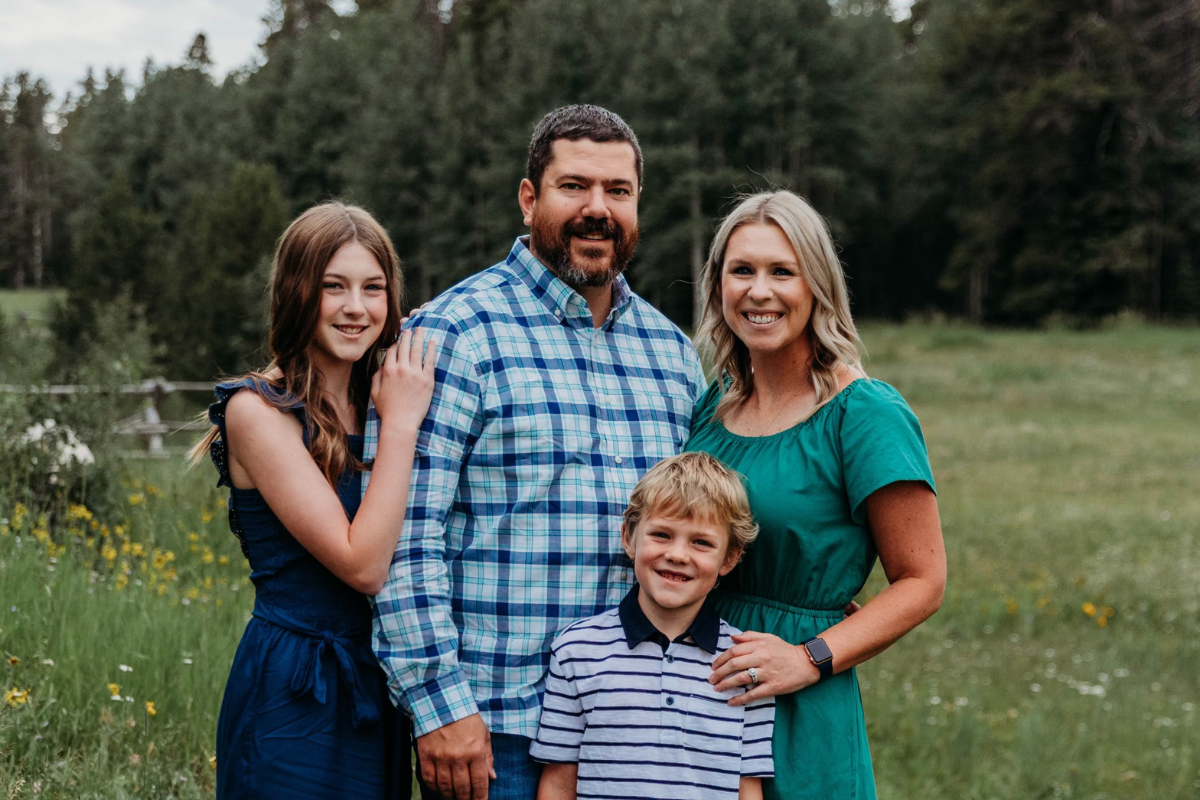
(59, 39)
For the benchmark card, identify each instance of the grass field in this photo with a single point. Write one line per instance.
(1063, 663)
(34, 302)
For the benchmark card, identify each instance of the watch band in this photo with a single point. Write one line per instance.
(820, 655)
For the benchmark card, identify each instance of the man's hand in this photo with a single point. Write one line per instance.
(457, 759)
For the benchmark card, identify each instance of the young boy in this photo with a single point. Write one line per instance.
(628, 710)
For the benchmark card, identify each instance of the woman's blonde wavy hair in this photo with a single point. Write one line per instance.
(831, 330)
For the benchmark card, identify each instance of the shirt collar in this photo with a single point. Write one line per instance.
(705, 629)
(560, 299)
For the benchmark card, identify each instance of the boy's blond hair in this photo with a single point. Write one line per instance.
(694, 485)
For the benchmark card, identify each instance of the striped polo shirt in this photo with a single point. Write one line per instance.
(637, 714)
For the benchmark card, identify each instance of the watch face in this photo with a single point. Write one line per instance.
(818, 650)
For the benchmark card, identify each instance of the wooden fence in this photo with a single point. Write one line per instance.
(146, 423)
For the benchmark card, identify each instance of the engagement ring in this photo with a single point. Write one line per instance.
(753, 673)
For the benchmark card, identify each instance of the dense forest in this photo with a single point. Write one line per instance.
(1006, 161)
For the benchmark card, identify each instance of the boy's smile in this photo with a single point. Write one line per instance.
(677, 563)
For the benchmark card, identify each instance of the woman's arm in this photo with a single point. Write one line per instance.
(268, 446)
(558, 782)
(904, 522)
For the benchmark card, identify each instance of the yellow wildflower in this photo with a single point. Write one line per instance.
(137, 499)
(13, 661)
(223, 560)
(222, 503)
(150, 709)
(208, 582)
(18, 515)
(195, 548)
(95, 523)
(3, 530)
(207, 558)
(90, 543)
(205, 516)
(104, 531)
(162, 589)
(109, 552)
(193, 593)
(137, 549)
(1108, 611)
(212, 761)
(171, 574)
(122, 581)
(1043, 601)
(125, 547)
(1102, 622)
(15, 697)
(1010, 605)
(114, 689)
(193, 536)
(40, 532)
(1089, 609)
(151, 489)
(78, 511)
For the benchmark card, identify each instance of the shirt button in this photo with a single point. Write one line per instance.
(670, 659)
(670, 701)
(619, 459)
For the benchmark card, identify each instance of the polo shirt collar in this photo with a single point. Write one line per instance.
(705, 629)
(560, 299)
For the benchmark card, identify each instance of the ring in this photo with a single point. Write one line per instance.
(753, 673)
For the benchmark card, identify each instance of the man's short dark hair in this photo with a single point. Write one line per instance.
(574, 123)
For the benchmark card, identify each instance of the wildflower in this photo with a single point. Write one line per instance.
(151, 489)
(48, 662)
(212, 761)
(193, 593)
(124, 668)
(114, 689)
(208, 582)
(134, 758)
(208, 557)
(1102, 622)
(223, 560)
(205, 516)
(162, 589)
(1108, 611)
(1089, 609)
(95, 523)
(78, 511)
(193, 536)
(136, 499)
(13, 661)
(19, 512)
(137, 549)
(15, 697)
(109, 552)
(222, 503)
(119, 530)
(105, 532)
(1010, 605)
(1043, 601)
(150, 709)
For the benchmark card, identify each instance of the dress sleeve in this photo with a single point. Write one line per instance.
(415, 636)
(757, 732)
(560, 731)
(881, 443)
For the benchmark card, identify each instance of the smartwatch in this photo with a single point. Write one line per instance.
(820, 655)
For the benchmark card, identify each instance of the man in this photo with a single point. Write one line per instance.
(557, 388)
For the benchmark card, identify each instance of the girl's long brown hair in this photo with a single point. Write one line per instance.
(297, 273)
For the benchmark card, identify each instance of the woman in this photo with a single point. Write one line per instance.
(305, 712)
(837, 473)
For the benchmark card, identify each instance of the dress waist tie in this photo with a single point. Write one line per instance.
(310, 672)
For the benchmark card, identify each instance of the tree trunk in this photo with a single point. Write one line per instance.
(20, 193)
(976, 289)
(696, 215)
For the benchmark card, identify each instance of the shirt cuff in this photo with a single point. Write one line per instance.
(439, 702)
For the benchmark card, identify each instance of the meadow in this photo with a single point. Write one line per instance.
(1062, 664)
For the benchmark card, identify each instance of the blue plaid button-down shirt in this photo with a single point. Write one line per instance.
(539, 428)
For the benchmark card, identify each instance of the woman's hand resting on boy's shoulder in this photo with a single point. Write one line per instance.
(402, 387)
(782, 668)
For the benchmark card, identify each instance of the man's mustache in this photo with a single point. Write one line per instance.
(591, 226)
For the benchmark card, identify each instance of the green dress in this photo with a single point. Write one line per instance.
(807, 488)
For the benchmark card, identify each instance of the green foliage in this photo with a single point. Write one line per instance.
(1013, 162)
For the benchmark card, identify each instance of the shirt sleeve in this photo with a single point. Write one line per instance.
(415, 637)
(881, 443)
(560, 731)
(757, 731)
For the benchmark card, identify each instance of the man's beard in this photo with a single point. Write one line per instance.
(553, 248)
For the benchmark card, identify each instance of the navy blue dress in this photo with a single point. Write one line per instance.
(305, 712)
